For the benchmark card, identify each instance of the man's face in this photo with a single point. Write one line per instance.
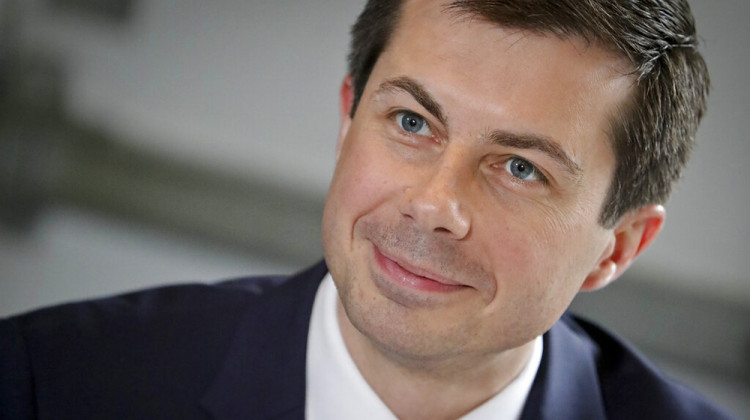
(463, 213)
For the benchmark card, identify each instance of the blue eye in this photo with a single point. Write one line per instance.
(522, 169)
(413, 123)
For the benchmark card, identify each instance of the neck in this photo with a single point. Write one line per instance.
(416, 388)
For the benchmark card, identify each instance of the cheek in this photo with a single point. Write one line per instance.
(523, 240)
(541, 259)
(364, 179)
(536, 279)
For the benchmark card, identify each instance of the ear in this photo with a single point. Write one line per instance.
(346, 98)
(633, 234)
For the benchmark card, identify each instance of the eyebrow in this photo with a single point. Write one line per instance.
(418, 92)
(541, 143)
(499, 137)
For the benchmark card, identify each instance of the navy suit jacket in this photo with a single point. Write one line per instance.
(236, 350)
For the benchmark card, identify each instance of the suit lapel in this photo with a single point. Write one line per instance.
(263, 374)
(567, 384)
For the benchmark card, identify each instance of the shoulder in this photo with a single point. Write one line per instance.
(179, 306)
(142, 327)
(152, 348)
(631, 386)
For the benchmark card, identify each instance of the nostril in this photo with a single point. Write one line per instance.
(407, 215)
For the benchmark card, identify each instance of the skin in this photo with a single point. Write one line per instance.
(448, 265)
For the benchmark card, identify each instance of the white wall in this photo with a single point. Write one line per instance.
(72, 253)
(247, 86)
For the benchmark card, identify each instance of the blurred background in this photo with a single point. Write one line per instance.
(148, 142)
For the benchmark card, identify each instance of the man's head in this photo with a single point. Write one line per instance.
(466, 207)
(652, 135)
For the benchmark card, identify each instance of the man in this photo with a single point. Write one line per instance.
(494, 159)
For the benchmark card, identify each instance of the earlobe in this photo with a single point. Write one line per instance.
(346, 98)
(633, 234)
(605, 270)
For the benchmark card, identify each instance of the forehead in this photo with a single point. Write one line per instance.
(521, 79)
(469, 40)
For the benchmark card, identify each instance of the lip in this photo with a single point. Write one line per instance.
(406, 276)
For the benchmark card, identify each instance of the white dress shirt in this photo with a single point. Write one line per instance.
(336, 389)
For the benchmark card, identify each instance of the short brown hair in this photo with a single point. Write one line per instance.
(653, 134)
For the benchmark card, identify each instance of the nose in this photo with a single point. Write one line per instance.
(435, 205)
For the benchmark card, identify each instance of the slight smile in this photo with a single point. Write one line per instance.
(411, 285)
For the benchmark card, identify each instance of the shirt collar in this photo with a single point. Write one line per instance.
(336, 389)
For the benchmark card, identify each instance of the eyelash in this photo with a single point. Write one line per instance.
(541, 178)
(399, 114)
